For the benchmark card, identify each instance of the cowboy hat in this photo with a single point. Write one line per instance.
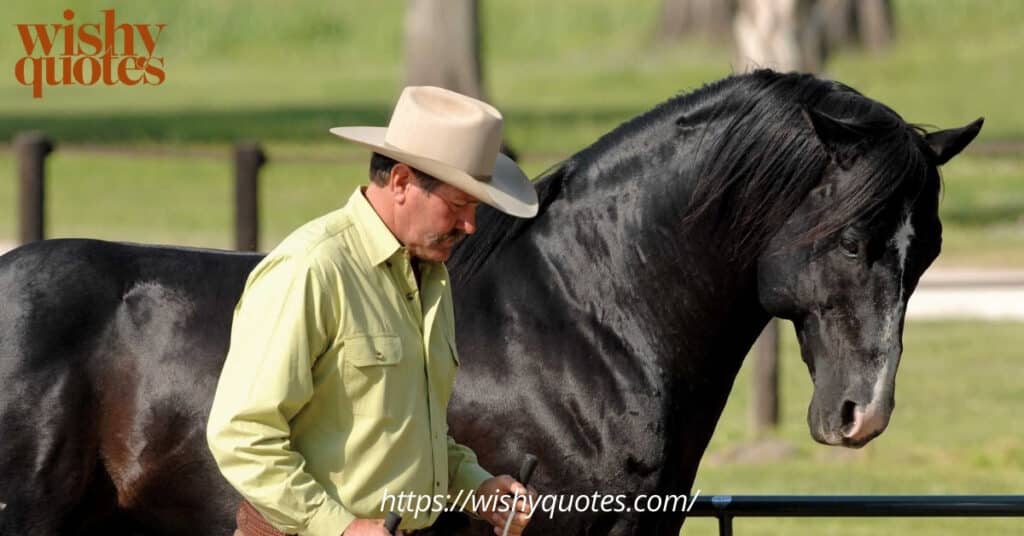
(455, 139)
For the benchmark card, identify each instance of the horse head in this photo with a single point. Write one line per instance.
(846, 261)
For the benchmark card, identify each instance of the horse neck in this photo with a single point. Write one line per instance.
(686, 312)
(611, 256)
(616, 241)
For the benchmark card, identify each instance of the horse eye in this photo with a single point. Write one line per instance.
(851, 247)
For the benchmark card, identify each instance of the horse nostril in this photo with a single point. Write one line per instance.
(848, 417)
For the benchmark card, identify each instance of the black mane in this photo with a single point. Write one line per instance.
(758, 157)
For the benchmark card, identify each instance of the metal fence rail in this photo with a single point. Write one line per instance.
(727, 507)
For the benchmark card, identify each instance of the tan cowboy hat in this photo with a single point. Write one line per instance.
(453, 138)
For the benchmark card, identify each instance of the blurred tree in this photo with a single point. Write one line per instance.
(775, 34)
(865, 23)
(874, 22)
(783, 34)
(710, 19)
(442, 45)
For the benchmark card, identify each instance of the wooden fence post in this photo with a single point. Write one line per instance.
(764, 402)
(249, 158)
(32, 149)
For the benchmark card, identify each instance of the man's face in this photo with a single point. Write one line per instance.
(433, 222)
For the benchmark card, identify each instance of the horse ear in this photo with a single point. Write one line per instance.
(836, 135)
(946, 144)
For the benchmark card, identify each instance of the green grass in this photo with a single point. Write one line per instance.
(569, 72)
(186, 198)
(563, 72)
(982, 212)
(955, 430)
(954, 60)
(167, 199)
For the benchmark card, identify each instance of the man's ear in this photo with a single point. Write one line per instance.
(399, 181)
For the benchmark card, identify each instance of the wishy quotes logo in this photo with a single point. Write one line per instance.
(87, 54)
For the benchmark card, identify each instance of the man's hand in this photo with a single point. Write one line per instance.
(367, 527)
(498, 512)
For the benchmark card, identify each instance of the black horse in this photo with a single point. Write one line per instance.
(603, 336)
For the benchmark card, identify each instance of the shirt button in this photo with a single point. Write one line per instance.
(380, 355)
(410, 295)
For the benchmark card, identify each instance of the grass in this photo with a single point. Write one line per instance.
(563, 73)
(185, 200)
(955, 430)
(955, 60)
(982, 212)
(188, 199)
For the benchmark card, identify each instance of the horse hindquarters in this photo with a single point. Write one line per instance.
(48, 453)
(109, 356)
(53, 482)
(48, 450)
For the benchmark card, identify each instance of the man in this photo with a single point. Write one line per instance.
(342, 355)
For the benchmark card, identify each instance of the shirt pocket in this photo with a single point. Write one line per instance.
(373, 374)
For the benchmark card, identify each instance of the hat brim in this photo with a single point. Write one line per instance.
(508, 189)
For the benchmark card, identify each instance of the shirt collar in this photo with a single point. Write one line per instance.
(377, 239)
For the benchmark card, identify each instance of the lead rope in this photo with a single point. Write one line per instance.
(525, 472)
(391, 522)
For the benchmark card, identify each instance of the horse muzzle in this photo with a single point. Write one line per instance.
(850, 424)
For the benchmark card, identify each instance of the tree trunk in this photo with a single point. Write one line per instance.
(838, 19)
(763, 413)
(772, 33)
(874, 23)
(864, 23)
(710, 19)
(442, 45)
(442, 48)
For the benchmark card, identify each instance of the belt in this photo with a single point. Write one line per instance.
(252, 523)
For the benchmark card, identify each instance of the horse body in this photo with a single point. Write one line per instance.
(110, 359)
(603, 336)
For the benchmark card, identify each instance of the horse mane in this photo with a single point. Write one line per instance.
(758, 157)
(749, 198)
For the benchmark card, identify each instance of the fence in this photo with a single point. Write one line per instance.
(32, 148)
(728, 507)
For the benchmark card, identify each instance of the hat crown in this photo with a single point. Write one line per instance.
(448, 127)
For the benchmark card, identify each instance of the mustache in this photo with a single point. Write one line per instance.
(453, 236)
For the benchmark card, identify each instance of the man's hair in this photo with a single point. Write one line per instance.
(380, 172)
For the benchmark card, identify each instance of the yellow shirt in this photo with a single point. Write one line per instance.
(337, 380)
